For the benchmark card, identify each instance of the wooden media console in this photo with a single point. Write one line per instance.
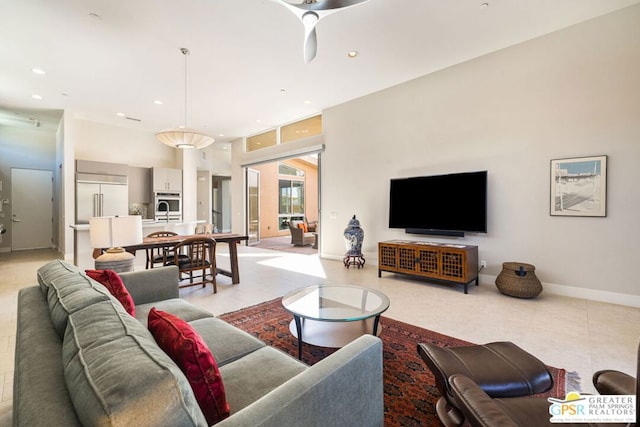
(450, 263)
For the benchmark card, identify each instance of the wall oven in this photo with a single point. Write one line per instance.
(168, 207)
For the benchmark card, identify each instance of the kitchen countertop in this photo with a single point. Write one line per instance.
(148, 224)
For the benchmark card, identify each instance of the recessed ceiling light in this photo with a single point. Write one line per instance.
(95, 16)
(307, 102)
(157, 102)
(352, 54)
(484, 5)
(120, 114)
(35, 96)
(38, 71)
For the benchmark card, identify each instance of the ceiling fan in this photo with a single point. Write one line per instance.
(310, 12)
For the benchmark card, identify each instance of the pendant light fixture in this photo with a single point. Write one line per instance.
(184, 137)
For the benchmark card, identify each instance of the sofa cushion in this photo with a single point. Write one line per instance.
(226, 342)
(70, 293)
(53, 270)
(256, 374)
(183, 344)
(176, 306)
(112, 281)
(118, 376)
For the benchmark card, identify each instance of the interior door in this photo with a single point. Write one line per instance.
(32, 209)
(253, 206)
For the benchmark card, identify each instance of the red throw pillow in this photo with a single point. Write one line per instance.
(112, 281)
(183, 344)
(304, 227)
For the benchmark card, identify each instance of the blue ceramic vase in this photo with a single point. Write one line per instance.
(353, 237)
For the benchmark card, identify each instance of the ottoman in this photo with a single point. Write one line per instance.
(501, 369)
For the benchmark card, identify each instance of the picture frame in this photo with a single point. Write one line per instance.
(579, 186)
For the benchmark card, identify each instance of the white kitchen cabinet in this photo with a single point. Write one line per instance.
(167, 180)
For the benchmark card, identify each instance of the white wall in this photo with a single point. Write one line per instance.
(101, 142)
(572, 93)
(26, 147)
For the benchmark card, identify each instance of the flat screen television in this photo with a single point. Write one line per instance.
(448, 205)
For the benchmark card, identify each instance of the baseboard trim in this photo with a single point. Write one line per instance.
(582, 293)
(556, 289)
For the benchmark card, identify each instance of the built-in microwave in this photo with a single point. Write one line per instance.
(168, 206)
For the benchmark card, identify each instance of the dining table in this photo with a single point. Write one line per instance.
(231, 239)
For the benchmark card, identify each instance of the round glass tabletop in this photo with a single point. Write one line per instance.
(335, 303)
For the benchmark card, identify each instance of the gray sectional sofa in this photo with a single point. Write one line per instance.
(81, 359)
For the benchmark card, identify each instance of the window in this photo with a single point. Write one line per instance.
(301, 129)
(297, 130)
(263, 140)
(285, 169)
(291, 201)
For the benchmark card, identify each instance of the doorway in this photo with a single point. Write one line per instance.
(253, 206)
(221, 206)
(279, 191)
(32, 209)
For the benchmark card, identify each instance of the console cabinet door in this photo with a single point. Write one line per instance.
(428, 261)
(387, 256)
(453, 265)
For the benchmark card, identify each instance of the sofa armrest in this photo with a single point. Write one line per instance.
(476, 405)
(614, 382)
(40, 397)
(155, 284)
(344, 389)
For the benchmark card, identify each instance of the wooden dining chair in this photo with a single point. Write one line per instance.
(196, 254)
(204, 229)
(159, 255)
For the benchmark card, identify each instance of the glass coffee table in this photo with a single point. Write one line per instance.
(333, 315)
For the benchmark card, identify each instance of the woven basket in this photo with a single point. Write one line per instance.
(518, 279)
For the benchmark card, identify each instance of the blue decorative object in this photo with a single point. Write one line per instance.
(353, 237)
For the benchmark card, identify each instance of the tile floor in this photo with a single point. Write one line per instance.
(576, 334)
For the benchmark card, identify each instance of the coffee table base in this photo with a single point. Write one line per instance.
(332, 334)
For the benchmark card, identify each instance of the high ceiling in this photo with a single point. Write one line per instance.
(246, 69)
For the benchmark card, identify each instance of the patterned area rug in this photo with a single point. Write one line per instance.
(410, 393)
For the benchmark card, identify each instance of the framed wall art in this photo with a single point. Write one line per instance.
(579, 186)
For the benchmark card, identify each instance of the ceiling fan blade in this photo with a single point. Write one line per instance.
(322, 4)
(310, 48)
(310, 12)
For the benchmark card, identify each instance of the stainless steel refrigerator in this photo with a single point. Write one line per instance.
(100, 195)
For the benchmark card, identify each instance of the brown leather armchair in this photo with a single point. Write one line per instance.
(501, 369)
(481, 410)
